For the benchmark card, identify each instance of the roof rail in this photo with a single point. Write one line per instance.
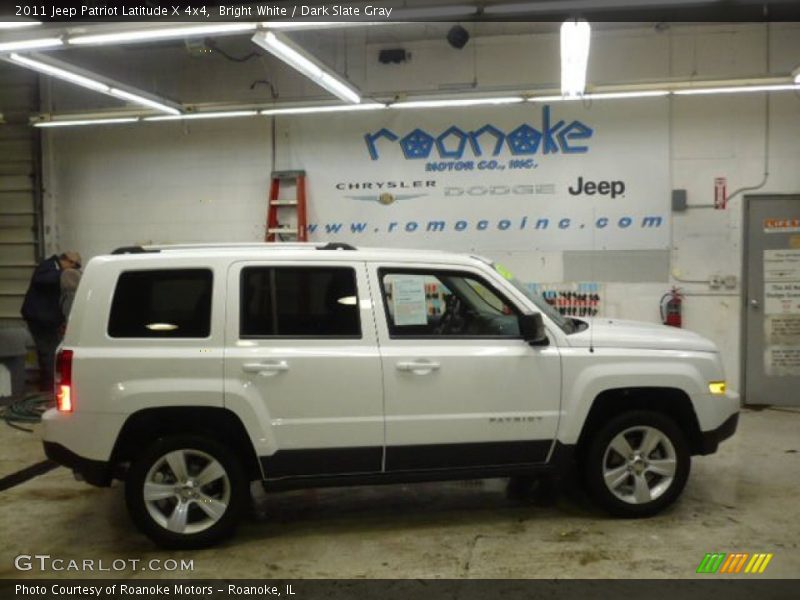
(235, 245)
(336, 246)
(243, 245)
(134, 250)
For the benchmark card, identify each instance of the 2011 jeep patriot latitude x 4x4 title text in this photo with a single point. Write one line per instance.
(189, 371)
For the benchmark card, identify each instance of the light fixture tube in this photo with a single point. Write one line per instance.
(434, 12)
(36, 44)
(339, 88)
(282, 50)
(18, 24)
(306, 110)
(457, 102)
(289, 25)
(562, 6)
(738, 89)
(75, 123)
(288, 55)
(60, 73)
(137, 99)
(575, 36)
(209, 115)
(144, 35)
(602, 96)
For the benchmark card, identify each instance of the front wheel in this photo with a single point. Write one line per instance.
(186, 491)
(637, 464)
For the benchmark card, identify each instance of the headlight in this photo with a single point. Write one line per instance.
(716, 387)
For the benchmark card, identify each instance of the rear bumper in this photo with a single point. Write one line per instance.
(95, 472)
(711, 439)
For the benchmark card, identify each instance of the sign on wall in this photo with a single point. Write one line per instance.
(782, 312)
(561, 176)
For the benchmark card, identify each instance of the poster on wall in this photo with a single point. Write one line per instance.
(782, 312)
(522, 177)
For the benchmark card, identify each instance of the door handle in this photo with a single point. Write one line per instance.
(267, 369)
(422, 367)
(754, 303)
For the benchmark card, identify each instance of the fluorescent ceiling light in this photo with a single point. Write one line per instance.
(562, 6)
(304, 110)
(602, 96)
(36, 44)
(144, 35)
(457, 102)
(18, 24)
(137, 99)
(60, 73)
(434, 12)
(283, 50)
(74, 75)
(737, 89)
(209, 115)
(74, 123)
(316, 24)
(575, 37)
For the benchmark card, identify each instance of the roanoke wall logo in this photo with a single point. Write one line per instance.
(453, 143)
(734, 563)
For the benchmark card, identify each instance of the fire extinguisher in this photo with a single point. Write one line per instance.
(671, 308)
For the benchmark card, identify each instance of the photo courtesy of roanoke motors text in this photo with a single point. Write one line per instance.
(402, 298)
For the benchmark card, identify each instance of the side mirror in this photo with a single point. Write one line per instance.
(531, 327)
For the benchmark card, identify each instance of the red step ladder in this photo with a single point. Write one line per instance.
(287, 229)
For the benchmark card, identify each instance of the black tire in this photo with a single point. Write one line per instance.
(596, 460)
(235, 492)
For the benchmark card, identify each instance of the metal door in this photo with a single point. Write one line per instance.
(772, 300)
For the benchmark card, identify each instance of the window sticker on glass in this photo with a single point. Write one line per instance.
(408, 301)
(504, 272)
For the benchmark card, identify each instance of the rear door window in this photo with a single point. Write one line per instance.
(168, 303)
(314, 302)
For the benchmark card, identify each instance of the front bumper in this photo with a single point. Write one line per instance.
(95, 472)
(710, 440)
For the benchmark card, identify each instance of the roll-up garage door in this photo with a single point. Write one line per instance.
(20, 197)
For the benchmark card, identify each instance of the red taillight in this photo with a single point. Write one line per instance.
(64, 381)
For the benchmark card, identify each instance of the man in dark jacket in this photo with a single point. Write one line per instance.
(41, 310)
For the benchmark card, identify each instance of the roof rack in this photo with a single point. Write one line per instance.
(336, 246)
(134, 250)
(235, 245)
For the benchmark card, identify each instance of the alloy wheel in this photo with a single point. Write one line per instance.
(186, 491)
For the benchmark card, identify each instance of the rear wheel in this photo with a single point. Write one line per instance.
(637, 464)
(186, 491)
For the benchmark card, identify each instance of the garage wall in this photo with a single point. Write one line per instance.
(208, 181)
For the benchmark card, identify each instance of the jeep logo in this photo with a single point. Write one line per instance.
(603, 188)
(453, 142)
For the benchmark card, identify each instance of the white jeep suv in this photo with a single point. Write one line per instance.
(190, 371)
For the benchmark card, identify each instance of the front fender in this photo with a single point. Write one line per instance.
(587, 375)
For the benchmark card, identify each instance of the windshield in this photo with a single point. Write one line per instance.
(566, 324)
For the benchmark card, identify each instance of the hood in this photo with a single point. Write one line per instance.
(614, 333)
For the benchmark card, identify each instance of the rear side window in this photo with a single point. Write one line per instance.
(169, 303)
(299, 302)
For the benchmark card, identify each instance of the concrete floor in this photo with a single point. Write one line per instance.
(745, 499)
